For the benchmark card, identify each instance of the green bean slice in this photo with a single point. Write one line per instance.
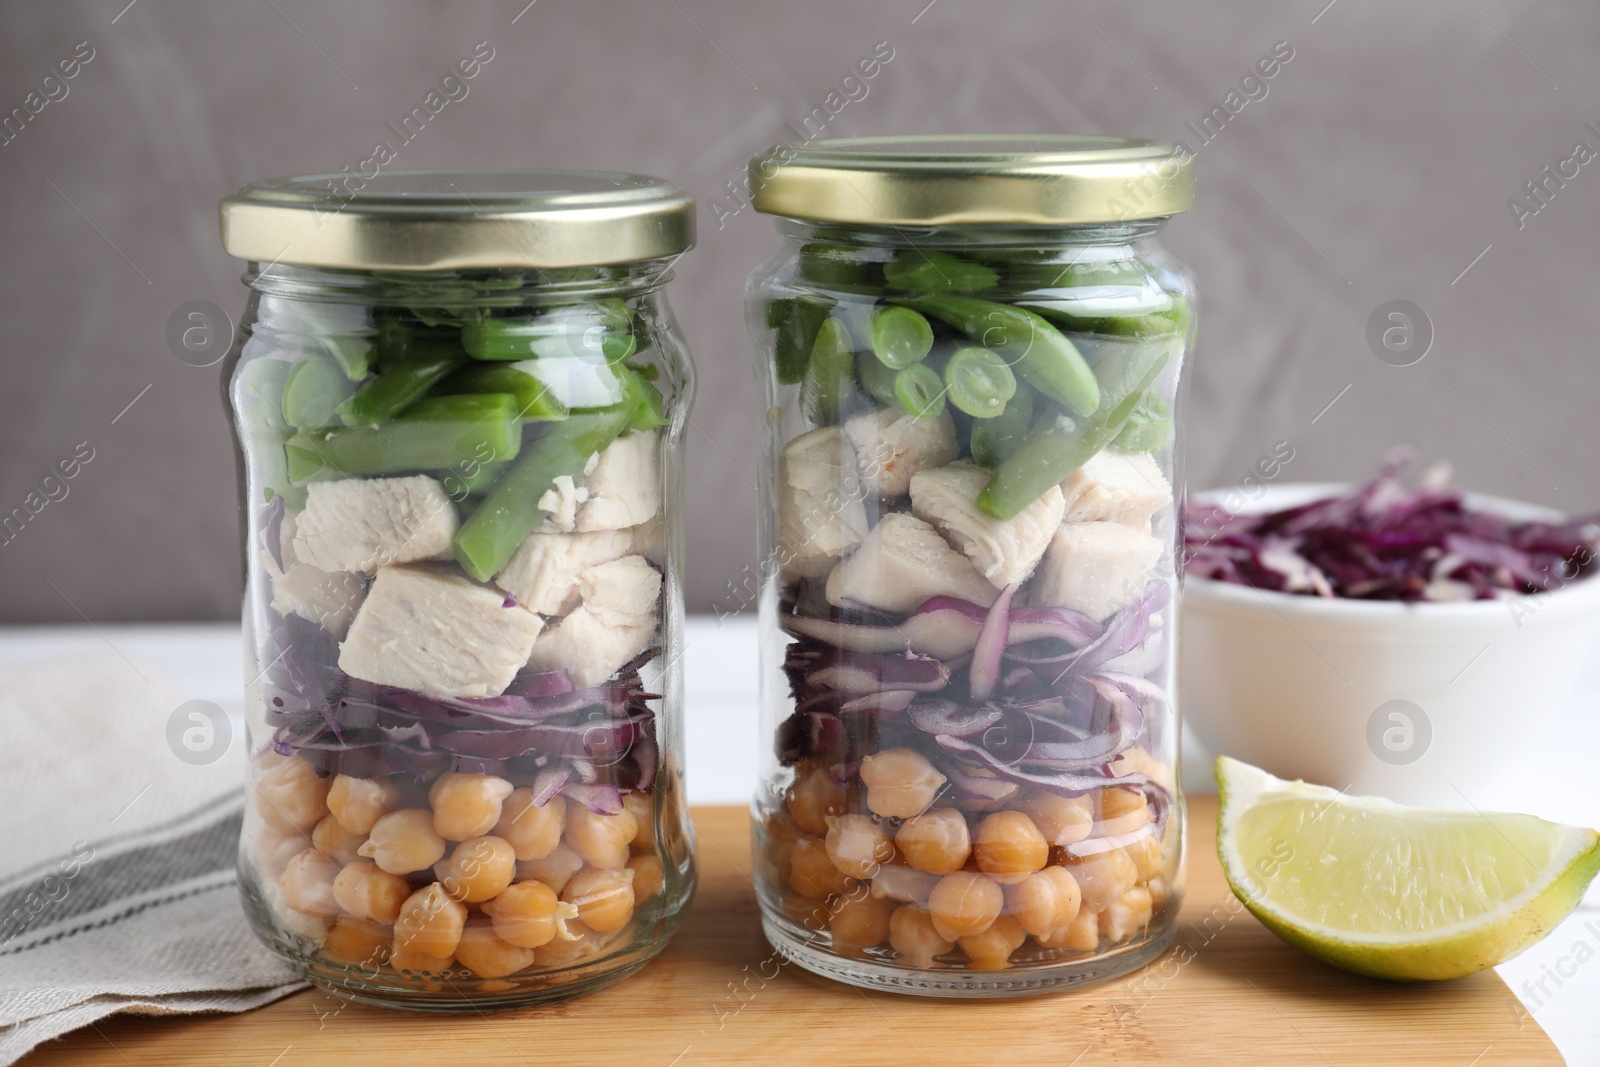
(313, 392)
(510, 512)
(599, 331)
(435, 434)
(993, 441)
(381, 398)
(794, 322)
(919, 390)
(934, 271)
(830, 375)
(979, 382)
(536, 401)
(900, 336)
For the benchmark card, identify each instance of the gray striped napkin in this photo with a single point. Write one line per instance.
(117, 889)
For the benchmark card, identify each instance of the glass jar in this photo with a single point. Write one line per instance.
(459, 401)
(969, 359)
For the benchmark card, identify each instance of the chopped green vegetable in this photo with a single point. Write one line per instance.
(877, 379)
(344, 331)
(900, 336)
(920, 390)
(313, 392)
(830, 375)
(979, 382)
(535, 400)
(435, 434)
(934, 271)
(599, 330)
(839, 266)
(795, 323)
(403, 382)
(993, 441)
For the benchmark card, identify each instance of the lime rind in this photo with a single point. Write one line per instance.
(1498, 931)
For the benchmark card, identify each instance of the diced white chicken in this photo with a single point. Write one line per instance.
(649, 538)
(437, 631)
(561, 502)
(1097, 568)
(327, 598)
(891, 446)
(1116, 486)
(362, 524)
(543, 573)
(624, 486)
(1004, 550)
(614, 623)
(903, 563)
(820, 512)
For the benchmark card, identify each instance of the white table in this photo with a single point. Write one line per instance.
(205, 662)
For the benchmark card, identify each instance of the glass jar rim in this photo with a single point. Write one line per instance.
(1055, 179)
(455, 219)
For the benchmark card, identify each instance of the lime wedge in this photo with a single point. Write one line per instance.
(1394, 892)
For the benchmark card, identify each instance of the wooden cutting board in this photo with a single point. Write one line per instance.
(1226, 993)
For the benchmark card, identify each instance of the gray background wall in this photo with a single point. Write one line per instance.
(1378, 166)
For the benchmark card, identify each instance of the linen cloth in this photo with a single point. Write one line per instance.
(117, 887)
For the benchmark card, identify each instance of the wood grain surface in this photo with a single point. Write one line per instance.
(1226, 993)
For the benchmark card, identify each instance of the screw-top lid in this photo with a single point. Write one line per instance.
(445, 220)
(949, 180)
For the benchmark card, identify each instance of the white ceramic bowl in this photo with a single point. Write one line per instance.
(1416, 702)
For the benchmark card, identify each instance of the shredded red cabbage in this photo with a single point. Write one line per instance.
(1390, 540)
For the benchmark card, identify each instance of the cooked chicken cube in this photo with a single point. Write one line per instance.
(362, 524)
(820, 513)
(327, 598)
(649, 537)
(1097, 568)
(1116, 486)
(902, 564)
(437, 631)
(543, 573)
(614, 623)
(1004, 550)
(560, 503)
(624, 486)
(891, 446)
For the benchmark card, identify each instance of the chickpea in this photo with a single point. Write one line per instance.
(478, 869)
(811, 872)
(1120, 811)
(859, 924)
(418, 963)
(486, 956)
(903, 884)
(466, 805)
(1044, 901)
(525, 914)
(307, 884)
(1082, 934)
(534, 832)
(358, 941)
(900, 783)
(602, 840)
(914, 939)
(857, 844)
(812, 798)
(291, 796)
(936, 841)
(403, 842)
(643, 809)
(563, 952)
(992, 949)
(649, 876)
(965, 903)
(359, 802)
(1145, 853)
(1009, 847)
(603, 897)
(1129, 914)
(1103, 877)
(335, 842)
(553, 870)
(1062, 820)
(430, 922)
(363, 891)
(275, 846)
(781, 832)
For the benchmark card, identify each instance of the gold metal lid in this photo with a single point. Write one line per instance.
(446, 220)
(948, 180)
